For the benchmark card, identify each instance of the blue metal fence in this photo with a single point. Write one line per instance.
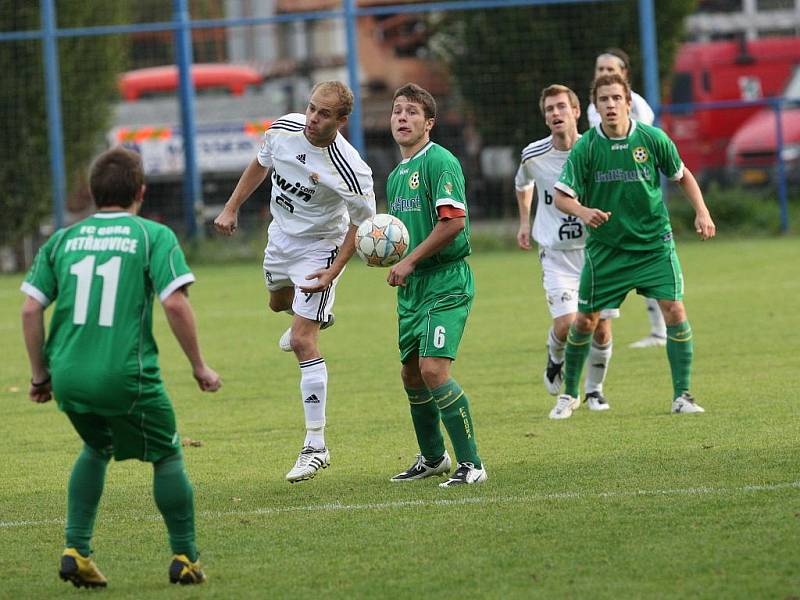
(182, 25)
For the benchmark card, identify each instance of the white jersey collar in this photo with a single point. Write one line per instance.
(422, 151)
(112, 215)
(602, 133)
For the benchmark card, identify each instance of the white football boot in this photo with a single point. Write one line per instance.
(564, 407)
(466, 474)
(308, 463)
(685, 404)
(422, 468)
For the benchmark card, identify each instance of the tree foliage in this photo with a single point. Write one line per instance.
(89, 67)
(501, 59)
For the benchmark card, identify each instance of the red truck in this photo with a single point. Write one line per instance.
(753, 151)
(720, 71)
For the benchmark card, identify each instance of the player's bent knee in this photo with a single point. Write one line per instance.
(587, 322)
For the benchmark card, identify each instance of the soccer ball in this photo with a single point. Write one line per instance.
(382, 240)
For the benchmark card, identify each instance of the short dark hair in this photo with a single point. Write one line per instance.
(418, 94)
(115, 177)
(611, 80)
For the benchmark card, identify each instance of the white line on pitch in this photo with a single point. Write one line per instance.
(337, 506)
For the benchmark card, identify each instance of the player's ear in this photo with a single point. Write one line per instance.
(429, 123)
(341, 120)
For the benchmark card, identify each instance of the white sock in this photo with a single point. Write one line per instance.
(313, 390)
(657, 326)
(555, 347)
(597, 366)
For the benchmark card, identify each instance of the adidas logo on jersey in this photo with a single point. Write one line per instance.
(301, 158)
(312, 399)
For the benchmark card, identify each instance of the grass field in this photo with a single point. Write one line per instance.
(631, 503)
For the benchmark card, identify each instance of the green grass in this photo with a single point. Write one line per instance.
(632, 503)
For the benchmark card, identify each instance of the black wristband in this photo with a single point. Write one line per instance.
(40, 383)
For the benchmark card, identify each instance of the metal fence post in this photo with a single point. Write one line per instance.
(647, 39)
(192, 198)
(55, 131)
(782, 194)
(356, 127)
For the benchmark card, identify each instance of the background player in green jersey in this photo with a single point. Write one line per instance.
(435, 289)
(614, 171)
(100, 359)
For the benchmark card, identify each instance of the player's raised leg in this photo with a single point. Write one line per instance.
(658, 328)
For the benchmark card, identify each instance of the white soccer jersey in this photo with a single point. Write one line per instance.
(541, 165)
(640, 111)
(316, 192)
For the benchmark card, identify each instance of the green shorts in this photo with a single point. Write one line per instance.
(432, 310)
(148, 434)
(610, 273)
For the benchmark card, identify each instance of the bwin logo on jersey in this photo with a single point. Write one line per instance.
(413, 181)
(640, 154)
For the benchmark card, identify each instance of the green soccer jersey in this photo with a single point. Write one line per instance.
(621, 176)
(102, 274)
(417, 187)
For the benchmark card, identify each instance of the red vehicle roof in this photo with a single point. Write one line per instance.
(235, 78)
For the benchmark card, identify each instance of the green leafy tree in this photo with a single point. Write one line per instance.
(89, 67)
(501, 59)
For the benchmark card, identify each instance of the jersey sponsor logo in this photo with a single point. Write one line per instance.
(640, 174)
(413, 181)
(571, 229)
(548, 197)
(403, 171)
(640, 154)
(301, 158)
(296, 188)
(285, 202)
(405, 205)
(619, 146)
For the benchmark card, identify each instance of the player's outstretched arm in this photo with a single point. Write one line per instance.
(227, 220)
(181, 320)
(323, 278)
(703, 224)
(524, 201)
(33, 331)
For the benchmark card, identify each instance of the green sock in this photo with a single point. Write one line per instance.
(454, 406)
(578, 346)
(425, 417)
(83, 496)
(680, 350)
(175, 500)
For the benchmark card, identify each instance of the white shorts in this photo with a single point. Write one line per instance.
(561, 276)
(287, 261)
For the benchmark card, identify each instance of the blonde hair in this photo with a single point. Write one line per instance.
(555, 90)
(342, 91)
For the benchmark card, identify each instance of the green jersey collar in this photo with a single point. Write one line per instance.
(112, 215)
(419, 153)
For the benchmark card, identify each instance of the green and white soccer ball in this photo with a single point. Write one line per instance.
(382, 240)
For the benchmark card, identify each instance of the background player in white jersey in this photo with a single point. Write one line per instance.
(614, 60)
(321, 191)
(561, 239)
